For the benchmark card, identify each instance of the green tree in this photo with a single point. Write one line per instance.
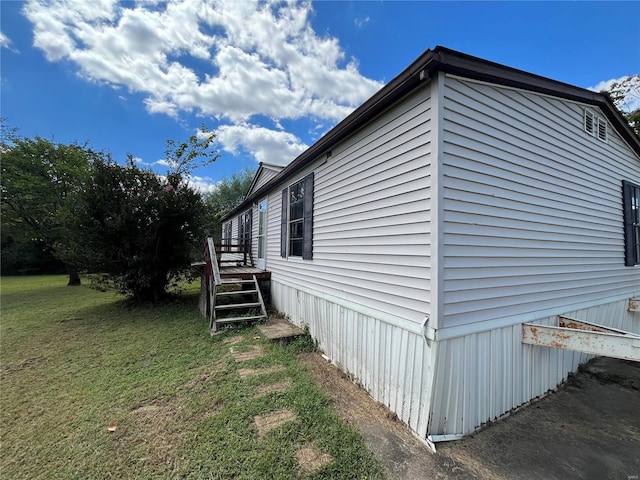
(625, 93)
(137, 228)
(38, 178)
(229, 193)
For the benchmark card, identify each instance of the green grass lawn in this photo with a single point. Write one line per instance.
(76, 361)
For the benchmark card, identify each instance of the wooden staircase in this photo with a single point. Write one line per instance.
(232, 293)
(245, 304)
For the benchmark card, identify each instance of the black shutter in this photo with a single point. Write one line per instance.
(249, 234)
(307, 246)
(629, 234)
(239, 229)
(283, 223)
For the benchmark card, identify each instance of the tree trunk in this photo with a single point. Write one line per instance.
(74, 278)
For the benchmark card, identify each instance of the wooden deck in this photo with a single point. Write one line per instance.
(244, 273)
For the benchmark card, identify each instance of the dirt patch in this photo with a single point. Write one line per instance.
(274, 387)
(399, 451)
(210, 371)
(250, 372)
(255, 352)
(152, 425)
(267, 422)
(589, 428)
(233, 340)
(310, 459)
(21, 365)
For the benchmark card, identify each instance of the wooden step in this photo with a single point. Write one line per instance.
(237, 305)
(236, 292)
(239, 319)
(232, 281)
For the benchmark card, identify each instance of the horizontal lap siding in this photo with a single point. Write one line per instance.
(265, 175)
(532, 216)
(371, 221)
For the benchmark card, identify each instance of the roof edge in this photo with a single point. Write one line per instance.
(442, 59)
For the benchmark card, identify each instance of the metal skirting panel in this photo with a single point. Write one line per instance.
(394, 365)
(483, 376)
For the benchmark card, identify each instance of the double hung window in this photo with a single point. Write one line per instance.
(631, 210)
(297, 219)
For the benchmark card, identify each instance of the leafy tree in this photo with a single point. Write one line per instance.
(229, 193)
(38, 178)
(623, 94)
(137, 228)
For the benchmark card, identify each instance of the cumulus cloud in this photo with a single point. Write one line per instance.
(631, 91)
(203, 184)
(254, 58)
(265, 145)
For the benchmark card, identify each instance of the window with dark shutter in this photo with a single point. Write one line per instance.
(297, 219)
(631, 211)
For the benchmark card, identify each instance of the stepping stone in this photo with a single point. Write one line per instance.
(250, 372)
(311, 459)
(255, 352)
(233, 340)
(279, 329)
(267, 422)
(274, 387)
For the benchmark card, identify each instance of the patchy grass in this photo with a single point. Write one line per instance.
(77, 363)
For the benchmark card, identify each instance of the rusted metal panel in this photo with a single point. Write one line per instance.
(567, 322)
(614, 345)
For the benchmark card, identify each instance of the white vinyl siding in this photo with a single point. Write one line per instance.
(264, 175)
(371, 223)
(532, 214)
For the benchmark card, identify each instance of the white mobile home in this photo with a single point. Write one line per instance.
(430, 237)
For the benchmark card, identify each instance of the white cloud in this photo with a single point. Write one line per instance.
(361, 22)
(265, 60)
(631, 99)
(4, 40)
(203, 184)
(265, 145)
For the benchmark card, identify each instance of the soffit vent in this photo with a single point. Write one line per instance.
(595, 125)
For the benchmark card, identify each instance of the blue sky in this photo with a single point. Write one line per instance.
(269, 78)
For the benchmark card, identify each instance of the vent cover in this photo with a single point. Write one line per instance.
(595, 125)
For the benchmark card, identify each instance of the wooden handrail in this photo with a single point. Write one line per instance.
(214, 261)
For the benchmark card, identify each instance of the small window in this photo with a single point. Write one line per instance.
(297, 219)
(244, 228)
(631, 210)
(595, 126)
(226, 236)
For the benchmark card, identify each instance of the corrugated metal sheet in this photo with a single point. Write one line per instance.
(482, 376)
(395, 366)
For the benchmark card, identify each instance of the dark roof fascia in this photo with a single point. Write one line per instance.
(461, 64)
(442, 59)
(385, 97)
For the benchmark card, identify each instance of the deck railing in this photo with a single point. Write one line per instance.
(236, 253)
